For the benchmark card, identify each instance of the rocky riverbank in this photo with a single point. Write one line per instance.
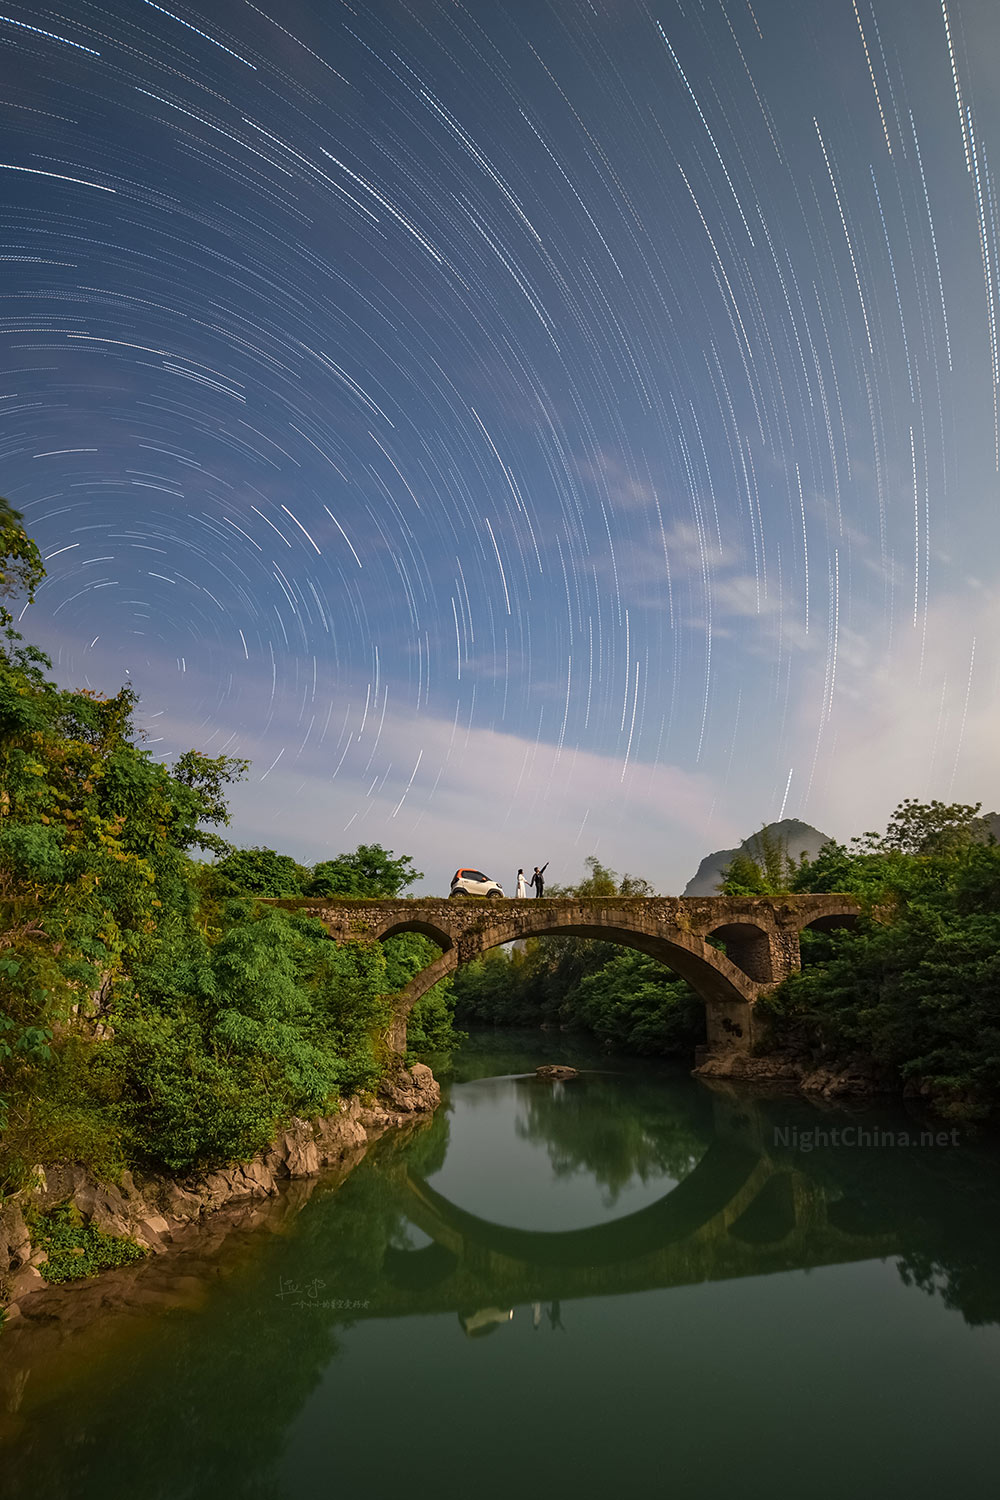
(794, 1074)
(857, 1077)
(163, 1213)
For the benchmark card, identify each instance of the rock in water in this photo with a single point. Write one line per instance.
(555, 1070)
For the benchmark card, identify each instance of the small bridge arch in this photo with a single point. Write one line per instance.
(761, 935)
(431, 930)
(832, 919)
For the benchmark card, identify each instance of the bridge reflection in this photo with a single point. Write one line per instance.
(257, 1324)
(743, 1211)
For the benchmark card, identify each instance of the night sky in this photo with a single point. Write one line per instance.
(523, 429)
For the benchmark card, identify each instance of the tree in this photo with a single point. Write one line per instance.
(600, 880)
(763, 867)
(21, 566)
(147, 1016)
(260, 872)
(931, 828)
(204, 777)
(370, 871)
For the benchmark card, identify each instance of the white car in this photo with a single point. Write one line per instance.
(474, 883)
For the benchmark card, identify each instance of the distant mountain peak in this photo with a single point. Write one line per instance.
(799, 838)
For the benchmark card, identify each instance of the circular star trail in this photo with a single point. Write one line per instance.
(523, 428)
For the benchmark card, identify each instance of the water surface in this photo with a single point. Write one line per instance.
(629, 1281)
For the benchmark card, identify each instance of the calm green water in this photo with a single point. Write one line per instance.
(628, 1283)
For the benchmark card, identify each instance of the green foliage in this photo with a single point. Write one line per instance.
(93, 835)
(220, 1043)
(430, 1027)
(370, 871)
(64, 1106)
(151, 1011)
(629, 1001)
(76, 1249)
(405, 955)
(930, 828)
(500, 989)
(765, 868)
(203, 798)
(260, 872)
(636, 1004)
(21, 567)
(915, 989)
(602, 881)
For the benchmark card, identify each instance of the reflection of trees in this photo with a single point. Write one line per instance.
(427, 1147)
(942, 1203)
(951, 1243)
(200, 1405)
(616, 1133)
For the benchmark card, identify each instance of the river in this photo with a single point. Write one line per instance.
(625, 1283)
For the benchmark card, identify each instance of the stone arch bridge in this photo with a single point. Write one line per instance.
(760, 933)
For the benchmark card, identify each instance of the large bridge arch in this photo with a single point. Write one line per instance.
(726, 989)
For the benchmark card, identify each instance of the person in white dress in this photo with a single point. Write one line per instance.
(522, 886)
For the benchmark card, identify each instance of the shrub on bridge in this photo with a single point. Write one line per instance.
(259, 872)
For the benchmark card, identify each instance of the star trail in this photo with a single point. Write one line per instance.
(524, 429)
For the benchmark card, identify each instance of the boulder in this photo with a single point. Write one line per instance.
(154, 1233)
(25, 1281)
(102, 1205)
(411, 1091)
(179, 1202)
(294, 1152)
(556, 1070)
(339, 1134)
(15, 1241)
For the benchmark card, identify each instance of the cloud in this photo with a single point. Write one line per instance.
(493, 799)
(906, 722)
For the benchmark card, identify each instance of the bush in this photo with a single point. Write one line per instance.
(915, 988)
(76, 1249)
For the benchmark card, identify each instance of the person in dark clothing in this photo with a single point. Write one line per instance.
(538, 879)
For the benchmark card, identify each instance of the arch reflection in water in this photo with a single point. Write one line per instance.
(742, 1211)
